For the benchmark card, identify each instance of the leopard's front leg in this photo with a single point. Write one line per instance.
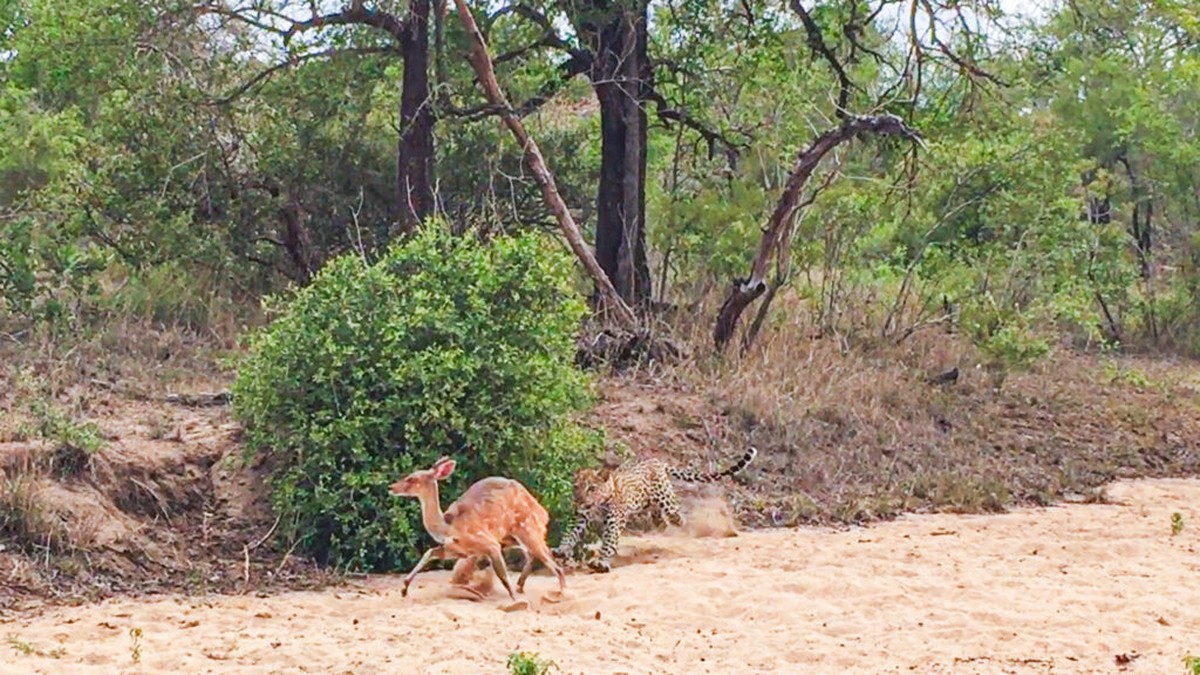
(565, 551)
(614, 526)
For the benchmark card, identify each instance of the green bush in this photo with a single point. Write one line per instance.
(445, 346)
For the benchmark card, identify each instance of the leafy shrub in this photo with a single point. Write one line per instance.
(445, 346)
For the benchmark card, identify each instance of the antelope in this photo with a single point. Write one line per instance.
(493, 513)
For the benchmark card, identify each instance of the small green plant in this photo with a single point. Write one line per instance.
(529, 663)
(1192, 664)
(1117, 374)
(27, 649)
(74, 442)
(20, 646)
(1176, 523)
(135, 650)
(1012, 348)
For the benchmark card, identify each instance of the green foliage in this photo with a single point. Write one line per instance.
(72, 442)
(1192, 664)
(55, 425)
(140, 150)
(445, 346)
(529, 663)
(1176, 524)
(1013, 347)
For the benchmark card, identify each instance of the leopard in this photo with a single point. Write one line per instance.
(637, 485)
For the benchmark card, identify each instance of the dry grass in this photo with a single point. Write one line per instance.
(852, 431)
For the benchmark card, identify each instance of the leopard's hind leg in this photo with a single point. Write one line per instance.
(667, 501)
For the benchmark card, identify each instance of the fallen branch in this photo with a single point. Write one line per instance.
(482, 63)
(200, 400)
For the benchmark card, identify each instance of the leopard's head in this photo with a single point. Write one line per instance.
(592, 486)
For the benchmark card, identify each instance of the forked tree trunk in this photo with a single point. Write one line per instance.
(482, 63)
(745, 291)
(414, 160)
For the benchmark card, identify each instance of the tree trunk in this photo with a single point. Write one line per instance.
(620, 73)
(482, 63)
(777, 232)
(1140, 222)
(414, 161)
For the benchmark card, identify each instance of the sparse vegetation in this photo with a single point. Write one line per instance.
(529, 663)
(20, 646)
(23, 519)
(135, 647)
(27, 649)
(1176, 524)
(56, 426)
(1001, 313)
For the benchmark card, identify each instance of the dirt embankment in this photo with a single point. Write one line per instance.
(166, 503)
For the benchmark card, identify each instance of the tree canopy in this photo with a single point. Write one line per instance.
(896, 163)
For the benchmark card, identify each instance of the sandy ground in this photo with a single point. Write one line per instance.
(1071, 589)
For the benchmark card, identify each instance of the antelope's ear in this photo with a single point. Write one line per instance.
(443, 468)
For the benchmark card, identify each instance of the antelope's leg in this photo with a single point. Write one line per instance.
(525, 570)
(542, 552)
(497, 556)
(435, 552)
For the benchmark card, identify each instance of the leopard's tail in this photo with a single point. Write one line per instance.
(697, 477)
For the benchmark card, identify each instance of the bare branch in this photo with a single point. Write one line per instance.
(711, 136)
(745, 291)
(549, 39)
(356, 14)
(580, 63)
(297, 60)
(972, 69)
(817, 42)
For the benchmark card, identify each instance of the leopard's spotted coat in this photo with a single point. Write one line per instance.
(636, 485)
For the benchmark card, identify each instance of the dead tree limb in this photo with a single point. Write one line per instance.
(745, 291)
(783, 262)
(482, 63)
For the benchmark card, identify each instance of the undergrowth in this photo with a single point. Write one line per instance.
(854, 428)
